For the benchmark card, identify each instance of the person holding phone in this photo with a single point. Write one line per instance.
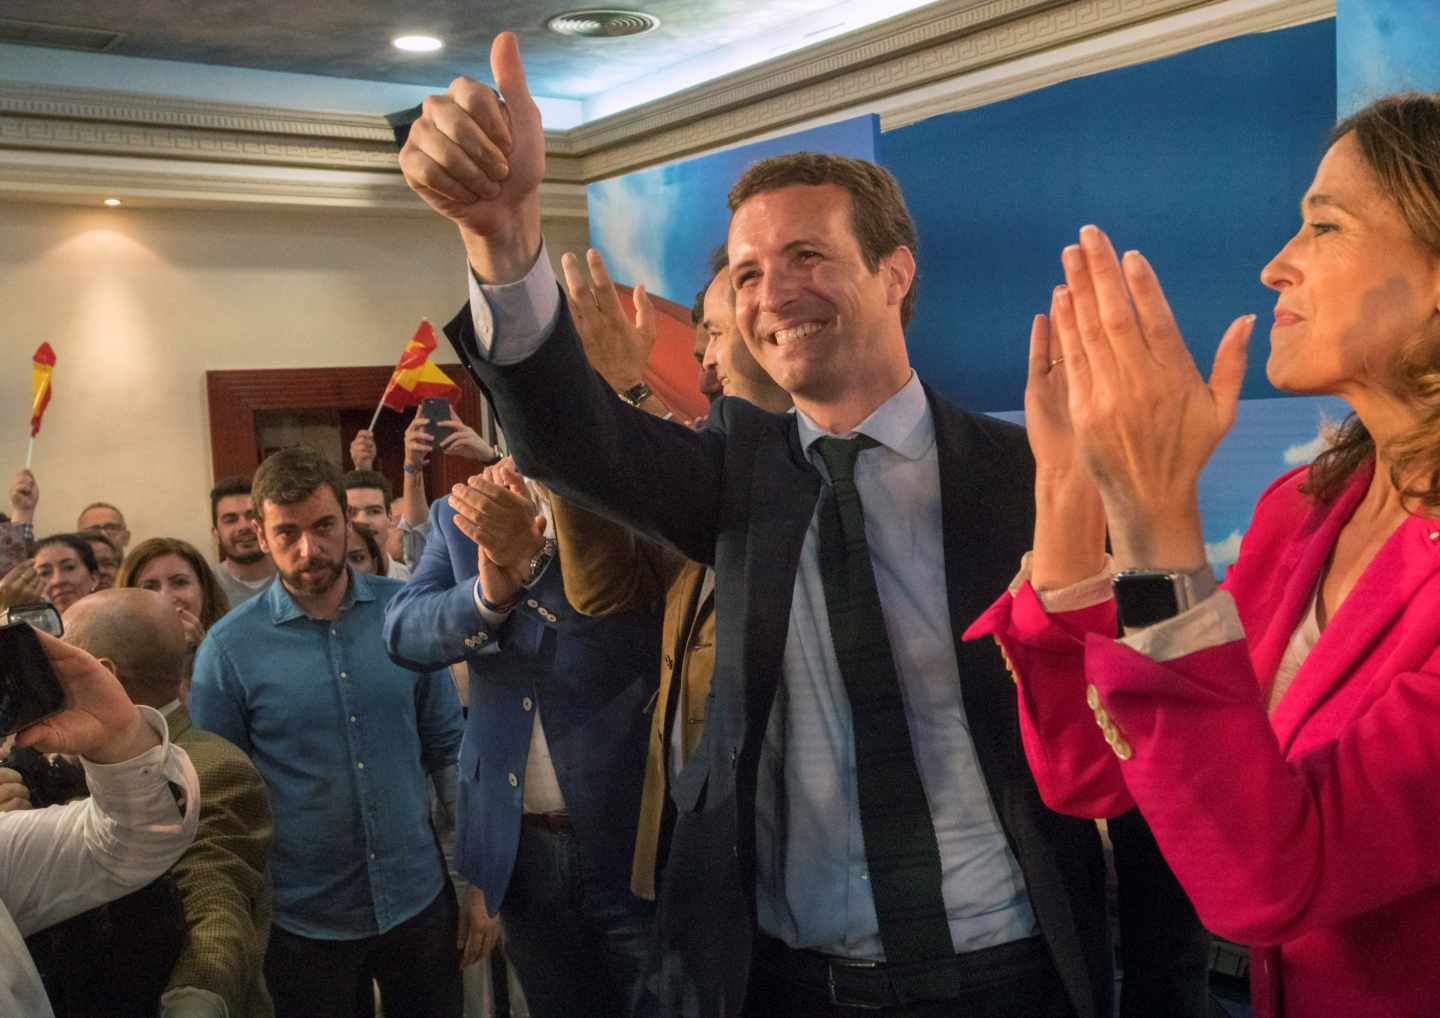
(141, 815)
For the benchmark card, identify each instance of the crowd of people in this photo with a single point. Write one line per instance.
(696, 718)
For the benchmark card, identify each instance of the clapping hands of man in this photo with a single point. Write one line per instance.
(495, 511)
(476, 156)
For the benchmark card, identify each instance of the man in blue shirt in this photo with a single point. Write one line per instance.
(298, 678)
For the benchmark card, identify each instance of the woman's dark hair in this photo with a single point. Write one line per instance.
(372, 545)
(1399, 139)
(75, 543)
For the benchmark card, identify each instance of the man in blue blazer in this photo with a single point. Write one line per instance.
(553, 757)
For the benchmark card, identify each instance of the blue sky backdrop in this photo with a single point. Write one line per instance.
(659, 226)
(1385, 46)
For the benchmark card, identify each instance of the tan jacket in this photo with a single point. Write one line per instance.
(224, 877)
(610, 569)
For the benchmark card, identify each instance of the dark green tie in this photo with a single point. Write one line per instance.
(900, 846)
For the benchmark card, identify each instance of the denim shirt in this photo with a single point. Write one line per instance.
(344, 738)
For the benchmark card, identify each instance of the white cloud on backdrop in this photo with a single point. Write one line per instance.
(1222, 553)
(634, 215)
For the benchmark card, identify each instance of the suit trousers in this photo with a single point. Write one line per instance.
(1009, 981)
(416, 964)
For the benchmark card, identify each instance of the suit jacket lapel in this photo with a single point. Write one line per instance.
(1299, 562)
(980, 499)
(1399, 569)
(785, 491)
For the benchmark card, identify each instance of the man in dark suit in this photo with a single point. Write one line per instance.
(860, 828)
(554, 750)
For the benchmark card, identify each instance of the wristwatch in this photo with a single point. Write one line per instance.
(636, 394)
(1144, 597)
(540, 560)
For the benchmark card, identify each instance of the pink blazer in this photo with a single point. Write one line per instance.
(1313, 834)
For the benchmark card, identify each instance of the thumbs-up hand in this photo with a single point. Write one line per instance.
(476, 157)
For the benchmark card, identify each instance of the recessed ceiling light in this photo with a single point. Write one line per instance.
(417, 43)
(603, 24)
(112, 202)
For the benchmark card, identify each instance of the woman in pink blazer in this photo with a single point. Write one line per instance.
(1282, 735)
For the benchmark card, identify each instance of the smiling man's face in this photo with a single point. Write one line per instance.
(814, 316)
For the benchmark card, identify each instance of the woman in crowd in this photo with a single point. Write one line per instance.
(175, 569)
(66, 566)
(1282, 736)
(362, 550)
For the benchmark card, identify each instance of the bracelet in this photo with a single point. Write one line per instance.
(408, 469)
(498, 609)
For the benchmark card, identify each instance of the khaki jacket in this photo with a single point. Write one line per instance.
(224, 876)
(610, 569)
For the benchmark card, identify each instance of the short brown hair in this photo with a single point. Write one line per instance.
(292, 475)
(879, 218)
(213, 602)
(369, 479)
(1399, 139)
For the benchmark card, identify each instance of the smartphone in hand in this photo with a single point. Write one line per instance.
(29, 691)
(435, 409)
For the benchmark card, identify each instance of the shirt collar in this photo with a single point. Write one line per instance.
(169, 709)
(903, 423)
(283, 607)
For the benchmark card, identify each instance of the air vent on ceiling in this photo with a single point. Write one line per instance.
(35, 33)
(603, 24)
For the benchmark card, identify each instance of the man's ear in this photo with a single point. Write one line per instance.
(259, 529)
(110, 666)
(898, 269)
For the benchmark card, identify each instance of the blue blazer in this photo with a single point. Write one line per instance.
(593, 680)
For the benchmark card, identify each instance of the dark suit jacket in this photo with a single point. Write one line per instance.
(591, 679)
(740, 494)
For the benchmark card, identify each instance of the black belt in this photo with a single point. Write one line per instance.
(858, 983)
(555, 823)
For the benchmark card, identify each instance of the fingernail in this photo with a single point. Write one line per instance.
(1089, 232)
(1071, 253)
(1135, 260)
(1250, 319)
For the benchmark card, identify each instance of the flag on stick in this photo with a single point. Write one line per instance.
(415, 377)
(41, 368)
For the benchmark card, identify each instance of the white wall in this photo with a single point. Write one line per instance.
(140, 303)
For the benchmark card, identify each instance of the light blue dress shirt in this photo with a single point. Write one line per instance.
(344, 739)
(812, 884)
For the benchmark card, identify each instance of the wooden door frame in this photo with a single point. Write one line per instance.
(236, 397)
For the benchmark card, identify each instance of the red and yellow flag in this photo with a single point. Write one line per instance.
(41, 368)
(415, 377)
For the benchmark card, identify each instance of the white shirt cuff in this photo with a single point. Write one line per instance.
(192, 1002)
(125, 791)
(492, 617)
(513, 320)
(1084, 593)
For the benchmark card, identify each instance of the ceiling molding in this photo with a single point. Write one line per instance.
(941, 58)
(1007, 31)
(1200, 26)
(86, 179)
(884, 42)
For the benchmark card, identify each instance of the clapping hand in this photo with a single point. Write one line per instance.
(616, 348)
(1144, 421)
(21, 585)
(493, 509)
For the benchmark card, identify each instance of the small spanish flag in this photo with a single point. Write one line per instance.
(415, 377)
(41, 368)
